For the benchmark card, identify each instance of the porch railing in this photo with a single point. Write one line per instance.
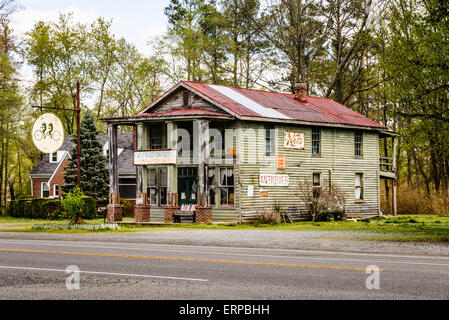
(386, 164)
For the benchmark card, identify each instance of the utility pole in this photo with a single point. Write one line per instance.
(78, 132)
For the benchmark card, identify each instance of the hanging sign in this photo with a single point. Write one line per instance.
(154, 157)
(273, 180)
(48, 133)
(294, 140)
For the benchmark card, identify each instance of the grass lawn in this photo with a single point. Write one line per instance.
(406, 228)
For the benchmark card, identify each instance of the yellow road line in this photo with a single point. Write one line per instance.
(183, 259)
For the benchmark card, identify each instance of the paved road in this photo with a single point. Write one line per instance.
(36, 270)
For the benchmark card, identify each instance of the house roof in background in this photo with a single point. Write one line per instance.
(125, 159)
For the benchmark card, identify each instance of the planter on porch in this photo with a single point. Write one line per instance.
(115, 212)
(142, 213)
(203, 214)
(169, 212)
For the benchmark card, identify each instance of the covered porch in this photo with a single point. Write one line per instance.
(181, 163)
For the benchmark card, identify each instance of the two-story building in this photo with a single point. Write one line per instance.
(233, 152)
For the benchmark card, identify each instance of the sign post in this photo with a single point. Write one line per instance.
(46, 127)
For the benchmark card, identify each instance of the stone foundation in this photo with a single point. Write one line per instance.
(142, 213)
(169, 212)
(115, 212)
(203, 214)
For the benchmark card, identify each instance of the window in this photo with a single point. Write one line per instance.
(358, 143)
(163, 186)
(157, 137)
(54, 157)
(269, 139)
(316, 180)
(157, 186)
(316, 141)
(56, 190)
(45, 190)
(127, 187)
(359, 192)
(211, 186)
(227, 186)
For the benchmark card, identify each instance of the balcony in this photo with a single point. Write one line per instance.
(387, 168)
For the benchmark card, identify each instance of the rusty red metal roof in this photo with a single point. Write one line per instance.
(268, 104)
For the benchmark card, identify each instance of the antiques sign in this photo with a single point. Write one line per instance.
(48, 133)
(154, 157)
(273, 180)
(294, 140)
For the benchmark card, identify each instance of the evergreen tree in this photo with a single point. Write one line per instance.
(94, 173)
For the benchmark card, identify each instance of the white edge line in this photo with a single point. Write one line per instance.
(232, 248)
(104, 273)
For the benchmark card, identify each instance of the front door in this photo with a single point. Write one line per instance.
(187, 185)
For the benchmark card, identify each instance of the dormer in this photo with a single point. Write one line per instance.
(106, 150)
(55, 157)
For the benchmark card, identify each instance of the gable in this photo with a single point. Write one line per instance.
(182, 98)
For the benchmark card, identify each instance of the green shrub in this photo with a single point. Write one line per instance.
(127, 208)
(53, 209)
(27, 209)
(36, 208)
(89, 207)
(73, 203)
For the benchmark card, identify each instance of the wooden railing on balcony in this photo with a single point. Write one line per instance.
(386, 164)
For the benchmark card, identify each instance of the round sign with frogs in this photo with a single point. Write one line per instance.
(48, 133)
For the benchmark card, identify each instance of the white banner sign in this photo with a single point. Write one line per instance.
(154, 157)
(273, 180)
(48, 133)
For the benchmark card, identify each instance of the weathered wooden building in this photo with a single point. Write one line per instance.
(233, 152)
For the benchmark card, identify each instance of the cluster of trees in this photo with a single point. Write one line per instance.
(387, 59)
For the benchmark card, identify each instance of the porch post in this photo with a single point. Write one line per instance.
(114, 210)
(395, 183)
(142, 208)
(172, 179)
(203, 212)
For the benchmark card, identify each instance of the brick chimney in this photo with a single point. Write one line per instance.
(301, 92)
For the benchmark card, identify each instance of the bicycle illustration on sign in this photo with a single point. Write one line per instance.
(47, 131)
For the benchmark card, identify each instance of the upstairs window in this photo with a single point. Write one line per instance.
(158, 137)
(358, 144)
(269, 139)
(185, 99)
(54, 157)
(316, 141)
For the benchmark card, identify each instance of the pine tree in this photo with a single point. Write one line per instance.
(94, 173)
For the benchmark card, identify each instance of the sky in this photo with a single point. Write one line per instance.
(135, 20)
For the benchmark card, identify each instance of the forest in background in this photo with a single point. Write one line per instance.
(387, 59)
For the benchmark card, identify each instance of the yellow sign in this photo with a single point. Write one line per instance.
(48, 133)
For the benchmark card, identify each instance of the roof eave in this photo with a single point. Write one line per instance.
(310, 123)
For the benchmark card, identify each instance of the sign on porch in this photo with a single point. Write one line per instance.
(48, 133)
(154, 157)
(273, 180)
(294, 140)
